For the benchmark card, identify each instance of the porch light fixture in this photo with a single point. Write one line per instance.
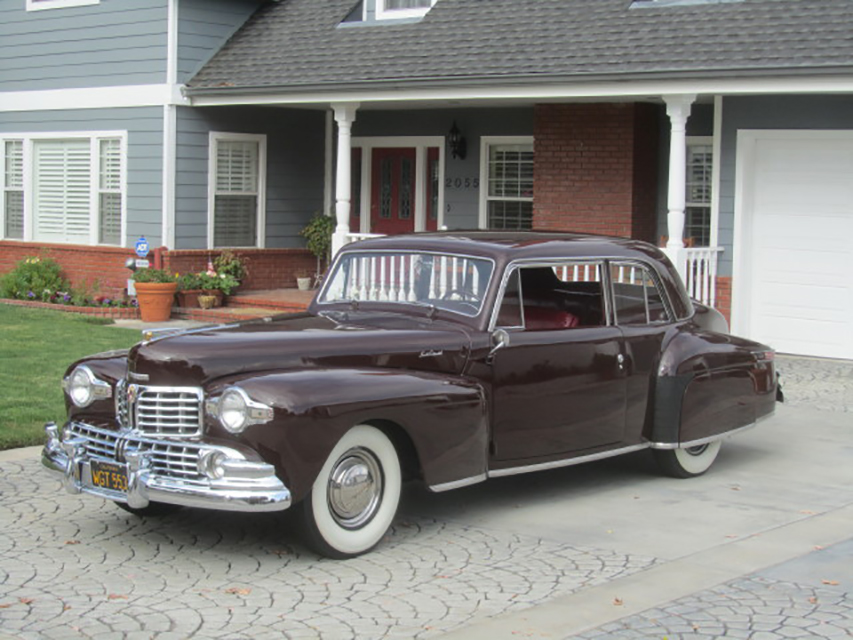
(456, 142)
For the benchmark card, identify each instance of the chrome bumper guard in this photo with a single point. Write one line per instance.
(236, 485)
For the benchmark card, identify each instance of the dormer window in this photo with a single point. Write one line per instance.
(396, 9)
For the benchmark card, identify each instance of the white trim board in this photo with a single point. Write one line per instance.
(141, 95)
(537, 92)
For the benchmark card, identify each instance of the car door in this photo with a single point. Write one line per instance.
(559, 384)
(641, 312)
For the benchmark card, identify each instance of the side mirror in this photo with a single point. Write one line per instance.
(500, 339)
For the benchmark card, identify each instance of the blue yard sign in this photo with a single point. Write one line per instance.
(142, 247)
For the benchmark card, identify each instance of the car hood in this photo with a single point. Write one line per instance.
(358, 340)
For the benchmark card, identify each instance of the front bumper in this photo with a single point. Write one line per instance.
(237, 484)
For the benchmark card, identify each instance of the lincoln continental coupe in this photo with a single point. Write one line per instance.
(447, 358)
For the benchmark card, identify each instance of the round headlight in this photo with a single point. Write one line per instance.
(234, 410)
(81, 387)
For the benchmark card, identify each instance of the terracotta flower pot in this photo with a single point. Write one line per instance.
(155, 300)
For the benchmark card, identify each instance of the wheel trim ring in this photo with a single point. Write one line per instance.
(355, 488)
(697, 450)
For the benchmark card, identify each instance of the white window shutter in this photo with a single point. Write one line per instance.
(62, 190)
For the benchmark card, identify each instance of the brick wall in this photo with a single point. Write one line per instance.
(267, 268)
(595, 169)
(102, 268)
(724, 297)
(99, 269)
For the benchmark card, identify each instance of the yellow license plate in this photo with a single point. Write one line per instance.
(109, 475)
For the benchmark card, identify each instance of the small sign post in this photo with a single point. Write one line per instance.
(142, 251)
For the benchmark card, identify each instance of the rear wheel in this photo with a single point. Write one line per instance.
(687, 462)
(355, 496)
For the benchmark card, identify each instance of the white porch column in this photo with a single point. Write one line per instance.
(344, 116)
(678, 110)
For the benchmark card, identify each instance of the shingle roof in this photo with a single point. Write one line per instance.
(294, 45)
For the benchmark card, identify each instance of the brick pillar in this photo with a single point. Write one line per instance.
(595, 169)
(723, 303)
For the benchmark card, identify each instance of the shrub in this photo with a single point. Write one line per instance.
(226, 263)
(33, 279)
(152, 275)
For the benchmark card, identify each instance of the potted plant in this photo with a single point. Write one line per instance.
(229, 264)
(155, 292)
(318, 235)
(303, 280)
(189, 288)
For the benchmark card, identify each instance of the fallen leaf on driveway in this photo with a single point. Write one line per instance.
(813, 600)
(72, 542)
(807, 512)
(618, 602)
(31, 600)
(116, 596)
(817, 547)
(239, 591)
(832, 583)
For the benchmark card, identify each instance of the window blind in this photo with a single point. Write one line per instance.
(14, 189)
(62, 190)
(236, 196)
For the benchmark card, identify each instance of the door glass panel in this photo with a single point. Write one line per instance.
(385, 189)
(636, 297)
(406, 188)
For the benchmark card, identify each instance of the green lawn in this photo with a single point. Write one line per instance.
(36, 346)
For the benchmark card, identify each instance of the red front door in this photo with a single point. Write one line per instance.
(392, 208)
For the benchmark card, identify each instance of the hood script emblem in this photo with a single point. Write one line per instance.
(431, 353)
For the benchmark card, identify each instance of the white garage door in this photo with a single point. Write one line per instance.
(796, 219)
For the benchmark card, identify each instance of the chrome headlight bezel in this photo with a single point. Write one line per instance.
(83, 387)
(236, 411)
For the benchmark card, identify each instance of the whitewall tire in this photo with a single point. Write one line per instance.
(354, 498)
(688, 462)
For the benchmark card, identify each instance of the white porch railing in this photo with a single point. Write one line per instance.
(699, 271)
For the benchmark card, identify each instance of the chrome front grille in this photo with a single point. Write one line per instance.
(160, 411)
(176, 460)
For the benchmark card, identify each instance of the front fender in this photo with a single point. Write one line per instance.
(444, 417)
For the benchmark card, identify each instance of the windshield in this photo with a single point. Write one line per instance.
(445, 281)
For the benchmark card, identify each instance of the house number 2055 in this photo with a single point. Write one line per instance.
(461, 183)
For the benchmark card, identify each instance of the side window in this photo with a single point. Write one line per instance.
(554, 297)
(636, 297)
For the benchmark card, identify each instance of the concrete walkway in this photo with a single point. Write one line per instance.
(759, 548)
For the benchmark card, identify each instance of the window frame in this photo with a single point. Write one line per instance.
(42, 5)
(486, 143)
(654, 277)
(215, 137)
(94, 138)
(701, 141)
(400, 14)
(4, 194)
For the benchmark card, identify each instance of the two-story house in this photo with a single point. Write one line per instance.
(723, 125)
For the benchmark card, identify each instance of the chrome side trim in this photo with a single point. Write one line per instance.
(458, 484)
(697, 443)
(556, 464)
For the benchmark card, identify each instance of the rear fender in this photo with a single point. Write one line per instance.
(444, 417)
(709, 384)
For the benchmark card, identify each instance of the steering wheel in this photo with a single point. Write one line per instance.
(463, 295)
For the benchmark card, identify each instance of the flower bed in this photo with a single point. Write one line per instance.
(126, 313)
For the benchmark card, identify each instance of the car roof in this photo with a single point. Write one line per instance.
(505, 247)
(515, 245)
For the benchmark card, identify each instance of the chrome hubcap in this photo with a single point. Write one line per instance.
(355, 488)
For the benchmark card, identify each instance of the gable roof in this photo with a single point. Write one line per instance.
(300, 45)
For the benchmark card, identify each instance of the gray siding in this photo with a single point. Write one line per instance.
(116, 42)
(461, 193)
(771, 112)
(295, 160)
(204, 26)
(144, 126)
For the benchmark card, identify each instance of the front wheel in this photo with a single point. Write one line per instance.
(687, 462)
(355, 496)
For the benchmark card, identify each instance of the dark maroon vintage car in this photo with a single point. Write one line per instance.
(448, 358)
